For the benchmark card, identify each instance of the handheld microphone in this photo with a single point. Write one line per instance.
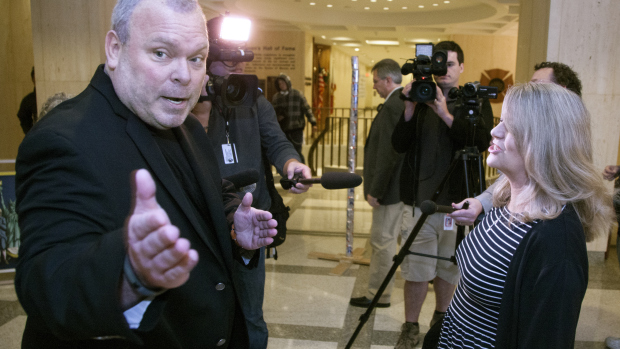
(330, 180)
(243, 178)
(429, 207)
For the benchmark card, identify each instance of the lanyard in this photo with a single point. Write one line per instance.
(226, 113)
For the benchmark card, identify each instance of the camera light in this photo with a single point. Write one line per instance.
(235, 29)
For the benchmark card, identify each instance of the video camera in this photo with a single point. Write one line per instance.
(423, 67)
(468, 105)
(227, 39)
(470, 98)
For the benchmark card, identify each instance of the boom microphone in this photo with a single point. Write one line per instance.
(429, 207)
(330, 180)
(243, 178)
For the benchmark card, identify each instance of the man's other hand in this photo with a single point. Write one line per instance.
(610, 172)
(440, 107)
(372, 201)
(254, 228)
(468, 216)
(158, 255)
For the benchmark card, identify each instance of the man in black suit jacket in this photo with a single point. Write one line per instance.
(381, 181)
(90, 276)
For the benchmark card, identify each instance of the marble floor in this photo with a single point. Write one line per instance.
(306, 307)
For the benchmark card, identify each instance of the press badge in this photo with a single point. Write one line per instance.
(230, 153)
(448, 223)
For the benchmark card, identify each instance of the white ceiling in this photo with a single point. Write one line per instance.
(347, 24)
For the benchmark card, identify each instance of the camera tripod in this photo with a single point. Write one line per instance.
(466, 156)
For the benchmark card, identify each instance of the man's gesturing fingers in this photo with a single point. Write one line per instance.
(157, 253)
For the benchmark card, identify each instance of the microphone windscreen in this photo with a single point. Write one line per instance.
(243, 178)
(340, 180)
(428, 207)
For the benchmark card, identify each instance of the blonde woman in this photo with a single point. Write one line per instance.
(525, 267)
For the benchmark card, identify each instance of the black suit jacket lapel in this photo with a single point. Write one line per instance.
(200, 156)
(160, 169)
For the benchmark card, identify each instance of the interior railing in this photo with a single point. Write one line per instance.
(329, 148)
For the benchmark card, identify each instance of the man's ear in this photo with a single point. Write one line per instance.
(113, 48)
(462, 67)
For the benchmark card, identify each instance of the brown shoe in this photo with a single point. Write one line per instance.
(409, 337)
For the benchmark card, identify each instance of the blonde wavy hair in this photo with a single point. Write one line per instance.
(551, 128)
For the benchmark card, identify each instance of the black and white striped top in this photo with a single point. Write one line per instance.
(483, 258)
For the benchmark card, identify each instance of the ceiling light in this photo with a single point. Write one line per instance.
(312, 3)
(357, 49)
(342, 38)
(435, 4)
(351, 44)
(330, 5)
(383, 42)
(421, 6)
(404, 7)
(373, 0)
(386, 8)
(322, 36)
(420, 41)
(366, 8)
(446, 2)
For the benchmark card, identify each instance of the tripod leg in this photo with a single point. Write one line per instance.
(398, 259)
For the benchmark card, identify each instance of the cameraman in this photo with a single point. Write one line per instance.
(245, 132)
(430, 135)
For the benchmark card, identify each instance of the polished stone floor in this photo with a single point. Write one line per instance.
(306, 307)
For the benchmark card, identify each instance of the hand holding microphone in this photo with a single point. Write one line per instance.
(429, 207)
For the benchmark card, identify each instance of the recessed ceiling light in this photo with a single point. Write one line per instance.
(366, 8)
(322, 36)
(342, 38)
(386, 8)
(446, 2)
(357, 49)
(373, 0)
(404, 7)
(330, 5)
(421, 6)
(435, 4)
(383, 42)
(312, 3)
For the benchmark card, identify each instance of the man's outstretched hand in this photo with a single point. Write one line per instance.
(254, 228)
(158, 255)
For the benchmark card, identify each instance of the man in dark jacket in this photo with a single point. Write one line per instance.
(100, 269)
(381, 182)
(291, 106)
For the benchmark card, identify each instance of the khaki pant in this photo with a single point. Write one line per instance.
(388, 223)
